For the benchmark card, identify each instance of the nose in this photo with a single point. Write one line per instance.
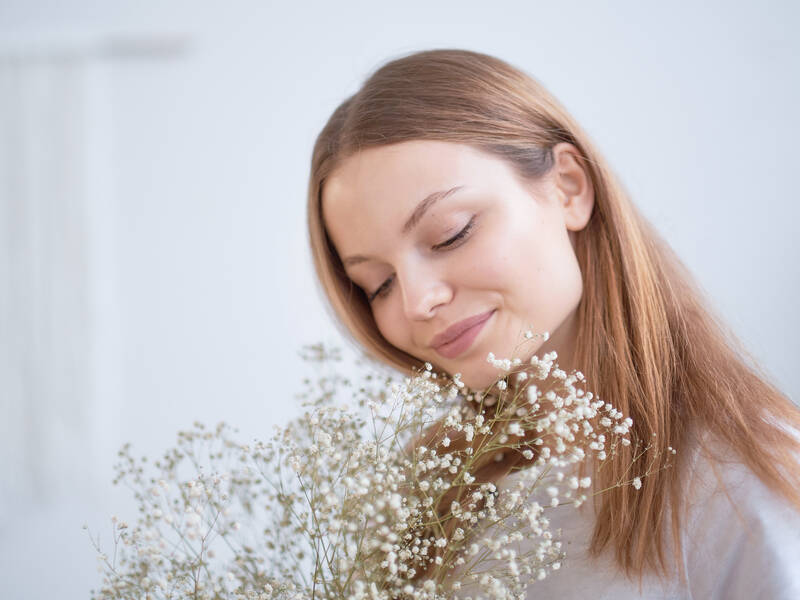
(423, 290)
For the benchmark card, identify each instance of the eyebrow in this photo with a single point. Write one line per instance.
(413, 220)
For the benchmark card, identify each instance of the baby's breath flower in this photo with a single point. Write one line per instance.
(346, 477)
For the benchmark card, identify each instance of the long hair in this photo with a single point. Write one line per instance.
(649, 340)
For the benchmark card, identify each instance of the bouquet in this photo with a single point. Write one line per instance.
(385, 488)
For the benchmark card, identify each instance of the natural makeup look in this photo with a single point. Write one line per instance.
(447, 240)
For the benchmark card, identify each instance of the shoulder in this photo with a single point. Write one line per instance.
(741, 539)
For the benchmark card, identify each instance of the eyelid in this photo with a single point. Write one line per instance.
(376, 293)
(464, 231)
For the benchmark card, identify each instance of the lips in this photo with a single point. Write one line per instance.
(458, 337)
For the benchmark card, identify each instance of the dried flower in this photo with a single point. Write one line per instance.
(326, 508)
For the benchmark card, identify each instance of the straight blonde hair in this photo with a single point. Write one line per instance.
(649, 341)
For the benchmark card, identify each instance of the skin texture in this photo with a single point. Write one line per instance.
(517, 258)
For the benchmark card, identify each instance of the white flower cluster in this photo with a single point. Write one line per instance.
(387, 500)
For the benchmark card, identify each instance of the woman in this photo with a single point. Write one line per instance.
(453, 197)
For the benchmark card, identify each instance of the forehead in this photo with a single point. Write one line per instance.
(380, 186)
(370, 194)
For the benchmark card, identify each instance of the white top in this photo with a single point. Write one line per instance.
(748, 553)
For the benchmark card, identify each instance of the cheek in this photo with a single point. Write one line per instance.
(392, 325)
(550, 284)
(529, 264)
(499, 261)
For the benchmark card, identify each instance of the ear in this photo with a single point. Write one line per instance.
(573, 185)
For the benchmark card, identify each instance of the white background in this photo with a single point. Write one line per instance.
(153, 179)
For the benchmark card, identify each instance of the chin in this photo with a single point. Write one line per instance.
(478, 377)
(480, 381)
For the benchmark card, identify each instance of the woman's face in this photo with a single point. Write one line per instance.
(440, 234)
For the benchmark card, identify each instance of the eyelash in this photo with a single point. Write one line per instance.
(457, 237)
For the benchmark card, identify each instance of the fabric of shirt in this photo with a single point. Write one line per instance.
(739, 545)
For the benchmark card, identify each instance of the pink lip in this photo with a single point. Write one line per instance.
(458, 337)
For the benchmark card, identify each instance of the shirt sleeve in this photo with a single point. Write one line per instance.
(742, 540)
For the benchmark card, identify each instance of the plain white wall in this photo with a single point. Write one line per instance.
(201, 119)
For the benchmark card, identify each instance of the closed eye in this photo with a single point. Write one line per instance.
(457, 236)
(386, 285)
